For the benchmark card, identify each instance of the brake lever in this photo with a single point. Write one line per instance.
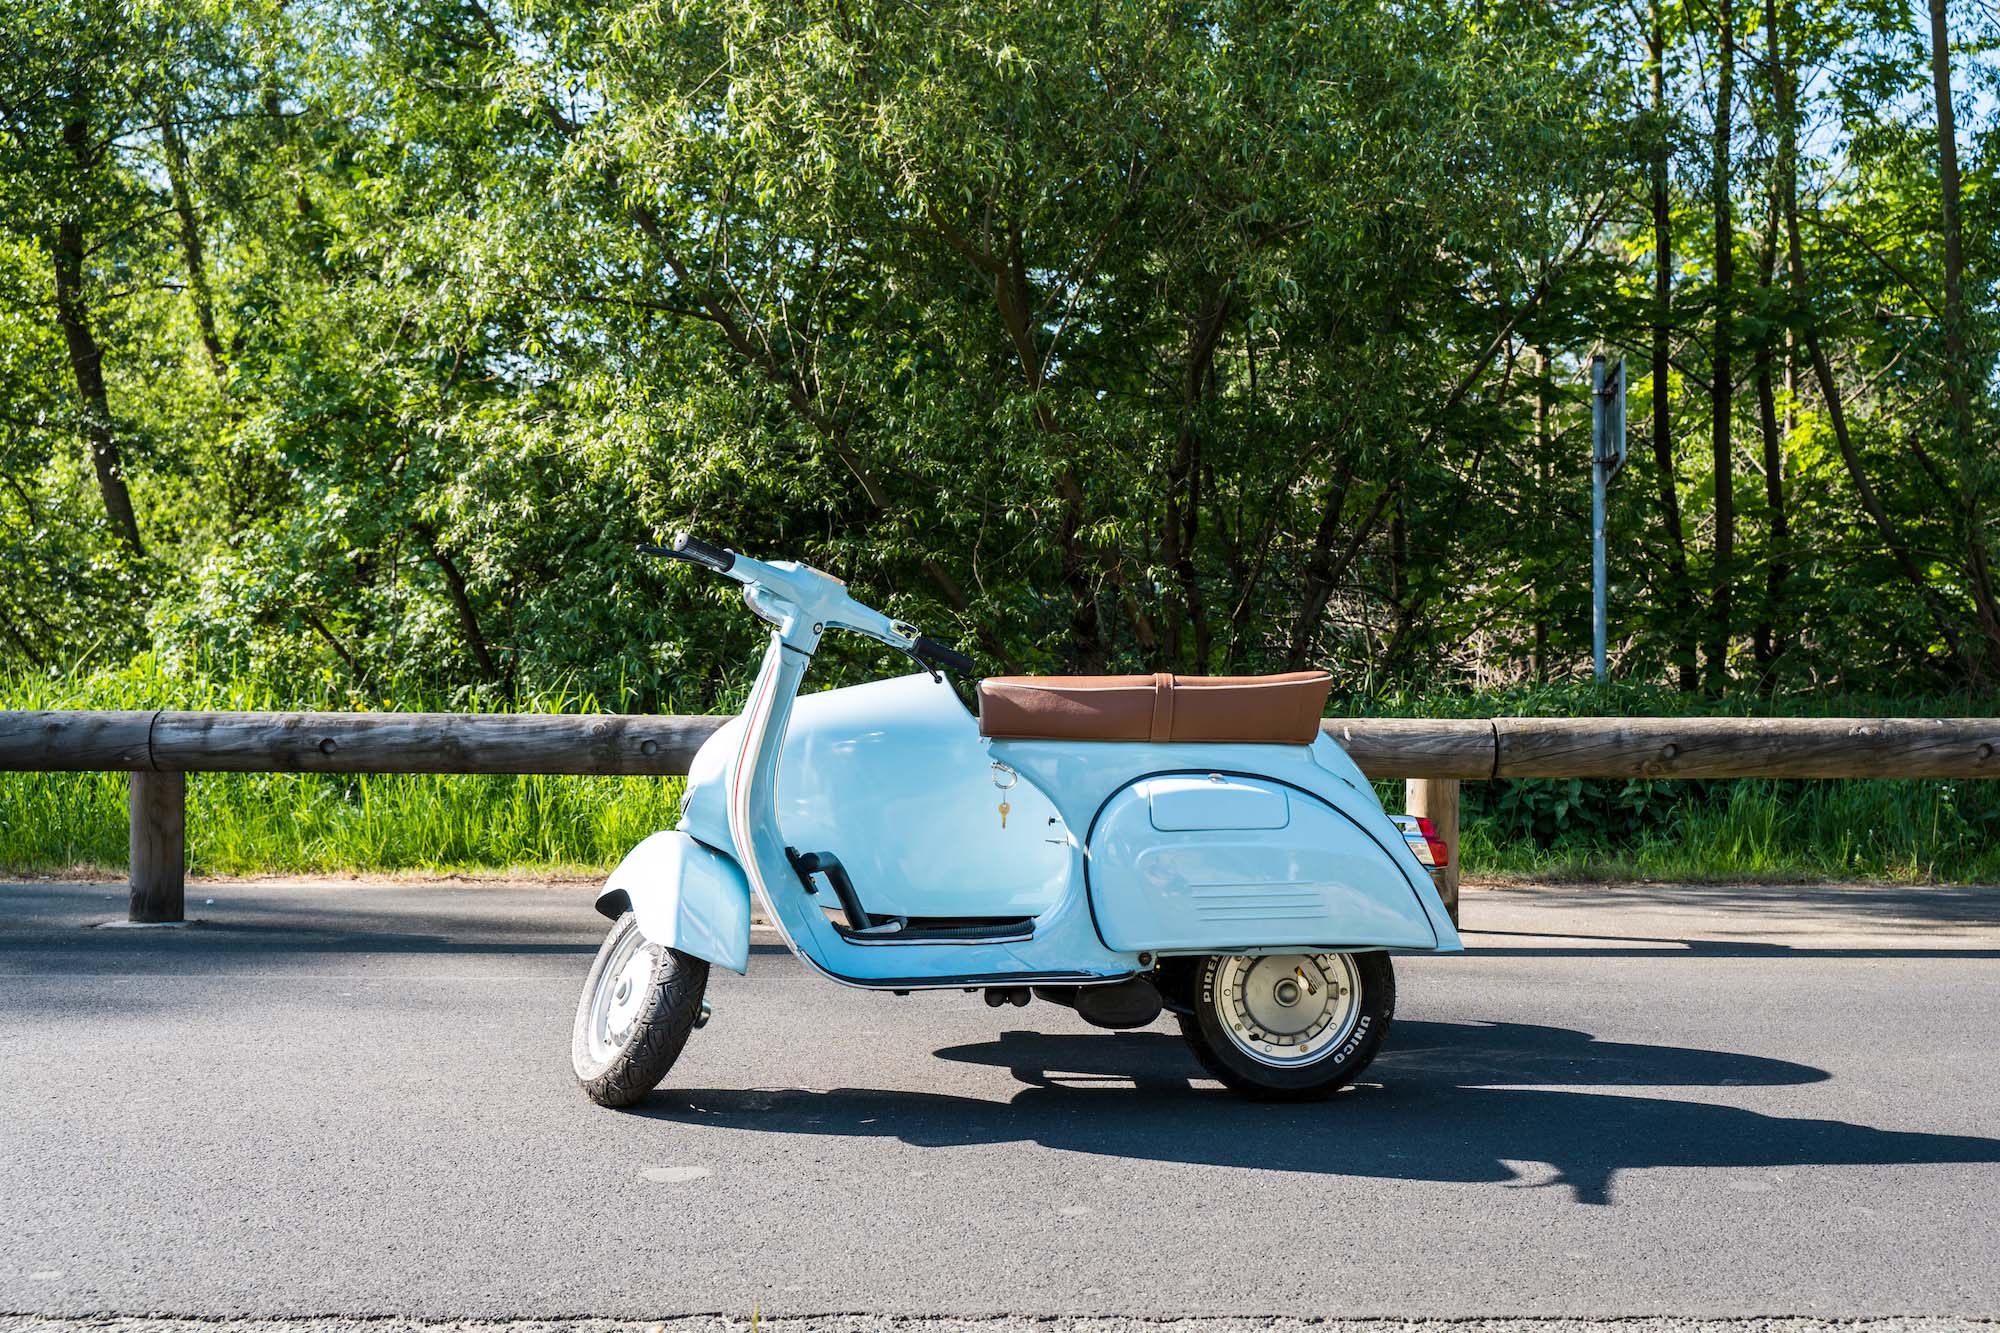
(911, 653)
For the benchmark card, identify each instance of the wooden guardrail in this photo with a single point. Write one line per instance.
(159, 747)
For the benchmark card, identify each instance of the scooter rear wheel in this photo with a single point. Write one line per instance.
(1289, 1027)
(639, 1004)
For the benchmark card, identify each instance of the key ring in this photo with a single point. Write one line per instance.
(1012, 776)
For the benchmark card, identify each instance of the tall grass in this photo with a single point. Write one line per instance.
(245, 823)
(1756, 829)
(241, 823)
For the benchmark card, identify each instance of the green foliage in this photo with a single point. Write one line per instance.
(1122, 335)
(1099, 336)
(1545, 812)
(1213, 337)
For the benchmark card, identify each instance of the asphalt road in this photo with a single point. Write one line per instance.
(356, 1101)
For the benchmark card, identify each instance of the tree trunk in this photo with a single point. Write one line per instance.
(1325, 567)
(1957, 378)
(1723, 383)
(1181, 524)
(1399, 581)
(191, 247)
(461, 602)
(86, 358)
(1959, 371)
(1541, 659)
(1679, 591)
(1769, 637)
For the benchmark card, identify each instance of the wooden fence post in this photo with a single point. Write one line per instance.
(1436, 799)
(159, 847)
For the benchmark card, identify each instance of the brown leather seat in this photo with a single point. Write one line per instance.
(1256, 709)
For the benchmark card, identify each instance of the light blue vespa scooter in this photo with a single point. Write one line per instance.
(1115, 844)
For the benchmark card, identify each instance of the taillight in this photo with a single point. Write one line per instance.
(1424, 842)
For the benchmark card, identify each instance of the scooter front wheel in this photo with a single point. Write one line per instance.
(639, 1004)
(1289, 1027)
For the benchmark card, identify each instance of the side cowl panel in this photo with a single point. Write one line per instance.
(686, 896)
(1196, 861)
(893, 777)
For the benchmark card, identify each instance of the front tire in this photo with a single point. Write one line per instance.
(639, 1004)
(1289, 1027)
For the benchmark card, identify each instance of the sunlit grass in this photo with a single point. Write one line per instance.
(245, 823)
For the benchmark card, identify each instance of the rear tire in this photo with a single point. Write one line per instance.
(1292, 1027)
(639, 1004)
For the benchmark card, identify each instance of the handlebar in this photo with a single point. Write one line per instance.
(934, 654)
(691, 548)
(818, 599)
(696, 552)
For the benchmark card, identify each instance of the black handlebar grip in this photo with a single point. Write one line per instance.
(690, 547)
(936, 654)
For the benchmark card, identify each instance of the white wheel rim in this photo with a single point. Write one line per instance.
(620, 995)
(1286, 1010)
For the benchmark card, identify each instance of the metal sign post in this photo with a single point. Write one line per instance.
(1607, 455)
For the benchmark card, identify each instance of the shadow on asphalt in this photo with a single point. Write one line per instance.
(52, 925)
(1641, 947)
(1838, 906)
(1455, 1102)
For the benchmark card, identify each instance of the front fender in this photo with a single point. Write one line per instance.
(687, 896)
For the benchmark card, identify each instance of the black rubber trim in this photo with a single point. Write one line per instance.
(1015, 932)
(1090, 893)
(981, 979)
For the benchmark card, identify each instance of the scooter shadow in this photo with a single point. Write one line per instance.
(1449, 1102)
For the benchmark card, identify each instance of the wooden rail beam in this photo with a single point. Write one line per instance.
(1470, 749)
(538, 743)
(1434, 755)
(76, 740)
(627, 744)
(613, 744)
(1408, 747)
(1746, 747)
